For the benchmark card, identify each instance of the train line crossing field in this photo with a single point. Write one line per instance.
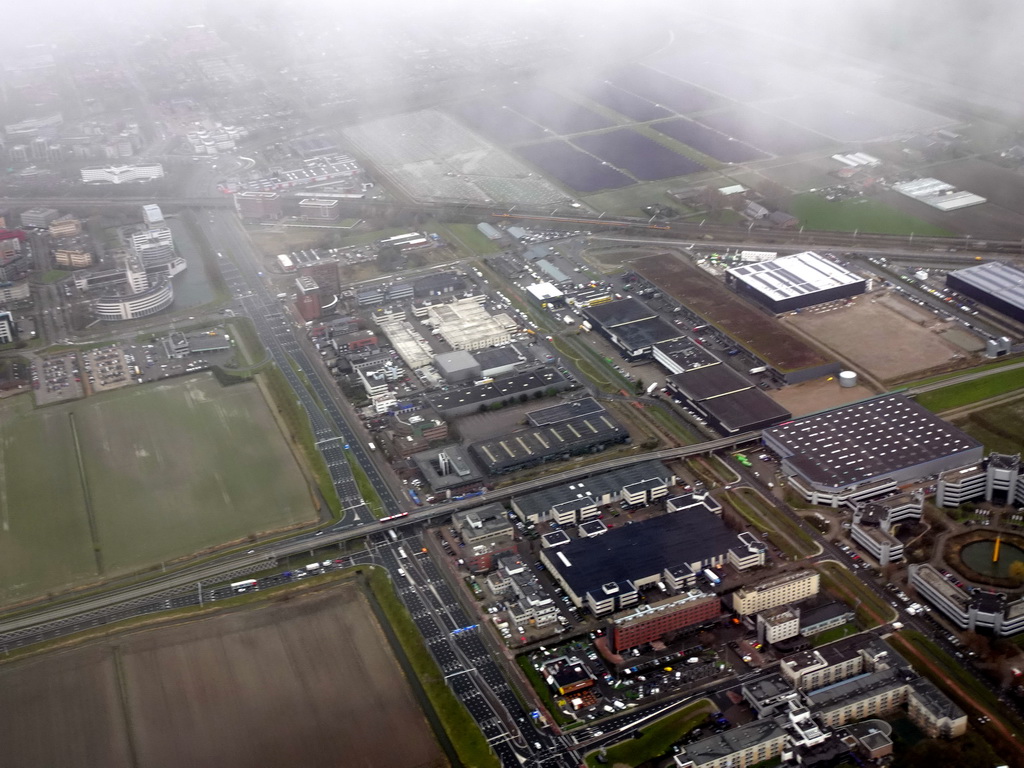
(138, 477)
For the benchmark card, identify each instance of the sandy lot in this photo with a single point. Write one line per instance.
(308, 682)
(817, 395)
(876, 338)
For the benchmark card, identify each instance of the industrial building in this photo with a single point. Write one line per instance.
(466, 324)
(590, 433)
(466, 400)
(487, 532)
(973, 611)
(580, 500)
(605, 573)
(438, 284)
(731, 403)
(794, 282)
(460, 365)
(994, 284)
(682, 355)
(656, 620)
(446, 468)
(868, 449)
(631, 325)
(457, 366)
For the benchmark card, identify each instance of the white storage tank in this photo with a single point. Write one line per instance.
(847, 378)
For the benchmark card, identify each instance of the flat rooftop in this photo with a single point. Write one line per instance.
(855, 443)
(616, 313)
(554, 414)
(594, 487)
(686, 353)
(1001, 280)
(644, 549)
(644, 333)
(797, 275)
(507, 386)
(699, 384)
(744, 410)
(541, 443)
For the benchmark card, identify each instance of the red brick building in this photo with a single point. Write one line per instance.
(647, 623)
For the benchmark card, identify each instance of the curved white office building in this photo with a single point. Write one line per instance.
(130, 307)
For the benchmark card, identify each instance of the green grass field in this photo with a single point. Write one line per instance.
(862, 214)
(1000, 428)
(658, 737)
(969, 392)
(171, 469)
(471, 237)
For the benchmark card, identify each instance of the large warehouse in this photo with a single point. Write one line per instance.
(587, 433)
(868, 449)
(605, 573)
(994, 284)
(729, 401)
(794, 282)
(631, 325)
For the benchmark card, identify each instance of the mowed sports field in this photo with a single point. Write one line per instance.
(135, 477)
(307, 682)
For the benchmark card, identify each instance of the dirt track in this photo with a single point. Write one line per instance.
(309, 682)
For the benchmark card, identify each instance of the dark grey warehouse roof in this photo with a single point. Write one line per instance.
(1002, 280)
(744, 410)
(553, 414)
(619, 312)
(498, 454)
(644, 333)
(596, 486)
(646, 548)
(868, 439)
(699, 384)
(508, 386)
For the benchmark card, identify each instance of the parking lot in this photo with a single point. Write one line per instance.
(56, 379)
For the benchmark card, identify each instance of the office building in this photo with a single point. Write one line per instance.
(662, 618)
(791, 587)
(8, 328)
(122, 174)
(258, 206)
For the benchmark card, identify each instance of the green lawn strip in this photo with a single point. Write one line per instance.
(831, 635)
(297, 423)
(969, 392)
(368, 238)
(366, 489)
(472, 239)
(755, 519)
(542, 689)
(658, 736)
(463, 731)
(247, 342)
(780, 519)
(863, 214)
(701, 473)
(914, 644)
(671, 422)
(868, 606)
(976, 369)
(53, 275)
(584, 366)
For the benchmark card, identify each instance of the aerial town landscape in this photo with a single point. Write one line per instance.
(541, 386)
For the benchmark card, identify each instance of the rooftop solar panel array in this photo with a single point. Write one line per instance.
(796, 275)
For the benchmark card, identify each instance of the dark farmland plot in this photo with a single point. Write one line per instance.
(659, 88)
(572, 167)
(643, 157)
(502, 125)
(707, 141)
(765, 131)
(737, 80)
(632, 106)
(554, 111)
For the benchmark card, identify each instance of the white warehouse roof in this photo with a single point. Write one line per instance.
(796, 275)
